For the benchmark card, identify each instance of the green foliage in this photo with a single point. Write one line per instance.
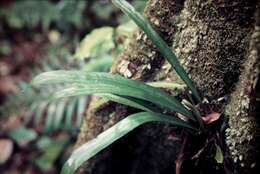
(22, 134)
(125, 91)
(158, 41)
(126, 30)
(29, 14)
(83, 83)
(99, 47)
(104, 10)
(91, 148)
(219, 155)
(128, 101)
(70, 13)
(60, 113)
(116, 88)
(51, 150)
(96, 43)
(35, 102)
(99, 64)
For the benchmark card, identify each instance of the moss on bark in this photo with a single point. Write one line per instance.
(243, 112)
(213, 39)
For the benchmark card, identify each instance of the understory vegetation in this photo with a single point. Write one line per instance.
(57, 65)
(44, 127)
(155, 105)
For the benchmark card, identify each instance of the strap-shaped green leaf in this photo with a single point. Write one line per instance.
(58, 116)
(129, 10)
(39, 113)
(125, 100)
(129, 101)
(48, 126)
(31, 113)
(97, 82)
(82, 102)
(91, 148)
(69, 114)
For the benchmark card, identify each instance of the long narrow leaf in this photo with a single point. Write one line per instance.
(89, 83)
(39, 113)
(76, 90)
(129, 10)
(91, 148)
(82, 102)
(30, 113)
(129, 101)
(48, 126)
(59, 114)
(69, 114)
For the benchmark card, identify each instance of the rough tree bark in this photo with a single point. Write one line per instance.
(217, 41)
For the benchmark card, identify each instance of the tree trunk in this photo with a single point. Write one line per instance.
(217, 41)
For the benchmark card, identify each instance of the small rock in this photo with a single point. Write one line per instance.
(6, 147)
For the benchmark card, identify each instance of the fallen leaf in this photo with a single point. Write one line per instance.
(214, 116)
(178, 164)
(6, 147)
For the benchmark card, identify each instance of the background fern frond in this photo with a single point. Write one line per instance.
(30, 14)
(35, 103)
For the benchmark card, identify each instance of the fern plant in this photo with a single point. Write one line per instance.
(30, 14)
(94, 53)
(153, 103)
(35, 103)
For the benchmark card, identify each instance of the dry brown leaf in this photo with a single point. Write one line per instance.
(210, 118)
